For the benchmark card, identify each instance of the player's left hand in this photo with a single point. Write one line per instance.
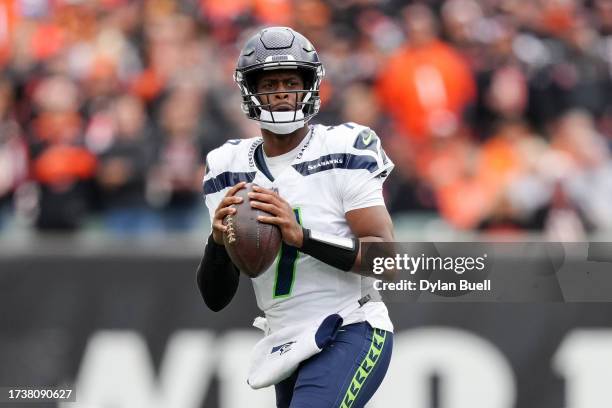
(282, 214)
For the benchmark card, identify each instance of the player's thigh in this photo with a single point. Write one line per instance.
(347, 373)
(284, 391)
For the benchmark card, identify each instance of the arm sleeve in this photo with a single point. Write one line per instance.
(217, 277)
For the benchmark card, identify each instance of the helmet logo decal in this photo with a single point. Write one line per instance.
(274, 58)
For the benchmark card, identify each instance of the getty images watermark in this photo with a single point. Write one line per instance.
(489, 271)
(422, 263)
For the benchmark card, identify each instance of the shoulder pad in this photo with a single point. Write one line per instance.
(359, 141)
(366, 139)
(341, 137)
(228, 165)
(231, 156)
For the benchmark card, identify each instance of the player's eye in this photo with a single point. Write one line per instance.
(267, 86)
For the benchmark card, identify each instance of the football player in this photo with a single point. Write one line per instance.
(322, 186)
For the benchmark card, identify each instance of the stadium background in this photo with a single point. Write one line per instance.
(497, 113)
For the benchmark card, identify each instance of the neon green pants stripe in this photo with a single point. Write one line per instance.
(365, 368)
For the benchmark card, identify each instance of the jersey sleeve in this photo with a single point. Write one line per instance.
(363, 187)
(370, 194)
(210, 185)
(223, 171)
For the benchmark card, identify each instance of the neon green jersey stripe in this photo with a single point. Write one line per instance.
(365, 368)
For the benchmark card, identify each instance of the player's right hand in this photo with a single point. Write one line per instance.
(223, 210)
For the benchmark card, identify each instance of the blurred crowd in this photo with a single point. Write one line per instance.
(497, 113)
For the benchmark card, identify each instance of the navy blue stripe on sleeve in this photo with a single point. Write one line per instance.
(227, 179)
(337, 161)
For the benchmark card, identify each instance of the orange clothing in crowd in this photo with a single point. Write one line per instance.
(466, 201)
(273, 12)
(8, 20)
(442, 161)
(269, 12)
(226, 10)
(148, 85)
(56, 127)
(48, 40)
(64, 164)
(500, 161)
(426, 89)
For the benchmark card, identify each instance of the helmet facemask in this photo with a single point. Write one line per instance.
(257, 106)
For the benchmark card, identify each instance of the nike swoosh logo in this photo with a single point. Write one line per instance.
(367, 139)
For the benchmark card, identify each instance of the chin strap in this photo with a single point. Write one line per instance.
(282, 123)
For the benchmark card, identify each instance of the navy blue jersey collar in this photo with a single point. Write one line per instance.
(260, 162)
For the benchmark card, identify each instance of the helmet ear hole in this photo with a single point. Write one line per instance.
(250, 80)
(308, 77)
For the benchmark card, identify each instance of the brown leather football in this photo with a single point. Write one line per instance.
(251, 245)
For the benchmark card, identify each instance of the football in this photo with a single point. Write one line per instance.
(251, 245)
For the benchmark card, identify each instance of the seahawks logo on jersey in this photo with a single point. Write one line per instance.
(283, 348)
(367, 140)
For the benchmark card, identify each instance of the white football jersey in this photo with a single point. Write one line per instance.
(322, 183)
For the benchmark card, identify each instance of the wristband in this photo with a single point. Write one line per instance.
(338, 252)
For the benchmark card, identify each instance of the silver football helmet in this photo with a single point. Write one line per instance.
(279, 48)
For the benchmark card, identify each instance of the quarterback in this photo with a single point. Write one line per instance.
(322, 186)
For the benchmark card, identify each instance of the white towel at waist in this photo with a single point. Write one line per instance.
(277, 355)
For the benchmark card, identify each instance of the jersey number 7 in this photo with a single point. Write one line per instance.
(285, 266)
